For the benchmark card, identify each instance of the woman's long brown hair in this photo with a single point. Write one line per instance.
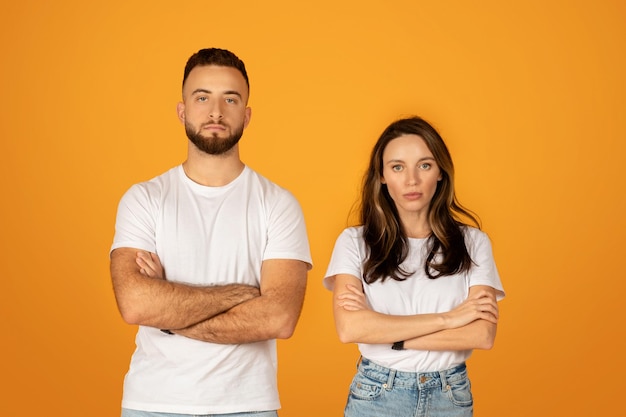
(385, 237)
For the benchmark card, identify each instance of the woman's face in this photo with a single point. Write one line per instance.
(411, 174)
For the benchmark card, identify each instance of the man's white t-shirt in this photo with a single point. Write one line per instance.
(207, 236)
(418, 294)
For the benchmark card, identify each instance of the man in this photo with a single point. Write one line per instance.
(210, 260)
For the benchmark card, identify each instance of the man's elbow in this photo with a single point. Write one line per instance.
(129, 304)
(285, 327)
(285, 332)
(131, 313)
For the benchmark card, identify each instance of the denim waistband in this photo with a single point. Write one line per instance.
(421, 380)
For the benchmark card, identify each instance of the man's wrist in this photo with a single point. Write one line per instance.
(398, 345)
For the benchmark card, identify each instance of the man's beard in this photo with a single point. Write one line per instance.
(213, 145)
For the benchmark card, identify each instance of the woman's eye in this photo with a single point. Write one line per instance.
(397, 168)
(425, 166)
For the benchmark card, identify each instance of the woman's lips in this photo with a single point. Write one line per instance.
(412, 196)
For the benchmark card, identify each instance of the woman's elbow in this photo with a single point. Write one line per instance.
(344, 338)
(346, 333)
(487, 344)
(488, 338)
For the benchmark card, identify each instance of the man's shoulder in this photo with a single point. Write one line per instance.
(271, 195)
(155, 185)
(267, 185)
(166, 177)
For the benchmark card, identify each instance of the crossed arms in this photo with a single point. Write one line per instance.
(471, 325)
(228, 314)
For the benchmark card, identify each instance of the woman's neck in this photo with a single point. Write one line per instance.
(417, 226)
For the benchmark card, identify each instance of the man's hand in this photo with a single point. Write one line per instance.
(150, 265)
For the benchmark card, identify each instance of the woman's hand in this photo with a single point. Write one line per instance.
(150, 265)
(353, 299)
(481, 305)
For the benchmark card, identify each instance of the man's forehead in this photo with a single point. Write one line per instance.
(215, 78)
(215, 72)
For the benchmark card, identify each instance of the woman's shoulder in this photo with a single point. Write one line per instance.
(352, 232)
(474, 236)
(350, 237)
(471, 231)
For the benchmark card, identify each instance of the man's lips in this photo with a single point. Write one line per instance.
(213, 126)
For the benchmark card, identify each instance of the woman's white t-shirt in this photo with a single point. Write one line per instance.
(418, 294)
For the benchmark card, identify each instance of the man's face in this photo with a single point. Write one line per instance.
(214, 108)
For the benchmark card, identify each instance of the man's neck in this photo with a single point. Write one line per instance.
(213, 170)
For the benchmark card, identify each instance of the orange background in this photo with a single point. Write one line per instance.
(530, 97)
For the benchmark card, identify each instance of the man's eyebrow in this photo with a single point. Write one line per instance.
(232, 93)
(205, 91)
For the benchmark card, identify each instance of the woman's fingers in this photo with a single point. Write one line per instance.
(353, 300)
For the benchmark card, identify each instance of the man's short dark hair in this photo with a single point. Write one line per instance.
(215, 56)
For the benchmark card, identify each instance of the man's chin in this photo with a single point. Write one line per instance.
(216, 143)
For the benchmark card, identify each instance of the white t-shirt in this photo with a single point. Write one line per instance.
(207, 236)
(416, 295)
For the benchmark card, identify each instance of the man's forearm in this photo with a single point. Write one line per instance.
(258, 319)
(156, 302)
(176, 306)
(213, 301)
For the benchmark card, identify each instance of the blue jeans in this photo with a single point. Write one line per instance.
(378, 391)
(126, 412)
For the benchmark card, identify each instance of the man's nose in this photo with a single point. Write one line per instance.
(216, 112)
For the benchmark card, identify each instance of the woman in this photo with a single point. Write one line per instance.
(415, 285)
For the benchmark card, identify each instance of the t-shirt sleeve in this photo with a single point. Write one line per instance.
(287, 235)
(347, 258)
(135, 221)
(484, 270)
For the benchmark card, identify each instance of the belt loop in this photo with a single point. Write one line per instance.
(444, 382)
(392, 376)
(358, 362)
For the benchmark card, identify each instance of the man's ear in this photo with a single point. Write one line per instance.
(180, 111)
(247, 117)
